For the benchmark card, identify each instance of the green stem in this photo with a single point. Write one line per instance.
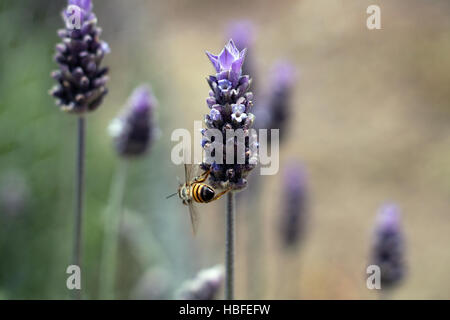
(111, 221)
(79, 196)
(229, 247)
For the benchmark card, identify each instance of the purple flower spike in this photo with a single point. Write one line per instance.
(230, 103)
(133, 131)
(81, 80)
(293, 218)
(389, 249)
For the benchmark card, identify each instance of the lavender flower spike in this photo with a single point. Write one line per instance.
(134, 130)
(293, 215)
(388, 249)
(81, 79)
(204, 286)
(230, 104)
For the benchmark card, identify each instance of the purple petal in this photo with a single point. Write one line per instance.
(243, 53)
(215, 115)
(238, 108)
(237, 65)
(223, 75)
(224, 84)
(83, 4)
(226, 58)
(214, 60)
(231, 47)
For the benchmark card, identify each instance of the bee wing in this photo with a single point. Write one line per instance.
(194, 217)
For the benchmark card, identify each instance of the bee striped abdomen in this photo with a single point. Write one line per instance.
(202, 193)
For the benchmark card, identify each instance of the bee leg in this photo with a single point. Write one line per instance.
(220, 195)
(203, 176)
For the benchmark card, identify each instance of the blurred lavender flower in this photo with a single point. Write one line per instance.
(134, 130)
(230, 103)
(204, 286)
(243, 34)
(389, 248)
(81, 79)
(14, 193)
(293, 215)
(276, 106)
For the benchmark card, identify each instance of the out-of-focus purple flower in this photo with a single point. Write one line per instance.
(276, 106)
(133, 131)
(242, 32)
(230, 103)
(204, 286)
(81, 80)
(389, 247)
(294, 212)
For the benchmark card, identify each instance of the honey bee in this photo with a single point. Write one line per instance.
(194, 190)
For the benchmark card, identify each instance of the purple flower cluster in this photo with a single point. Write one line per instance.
(293, 215)
(388, 249)
(81, 79)
(230, 103)
(133, 131)
(205, 286)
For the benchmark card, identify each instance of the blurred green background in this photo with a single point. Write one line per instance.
(371, 122)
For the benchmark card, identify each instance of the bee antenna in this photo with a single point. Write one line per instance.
(172, 195)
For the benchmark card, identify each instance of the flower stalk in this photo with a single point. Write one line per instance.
(132, 132)
(80, 88)
(229, 246)
(111, 221)
(79, 196)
